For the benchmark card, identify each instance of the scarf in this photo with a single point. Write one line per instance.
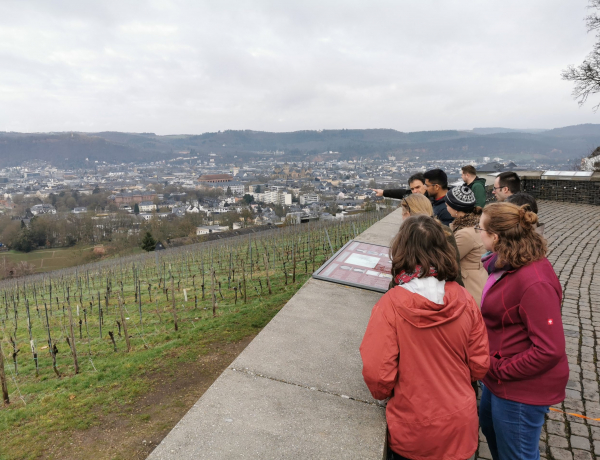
(495, 273)
(403, 277)
(468, 220)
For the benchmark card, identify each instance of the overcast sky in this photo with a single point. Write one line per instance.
(190, 67)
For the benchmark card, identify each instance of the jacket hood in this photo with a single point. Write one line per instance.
(481, 180)
(423, 313)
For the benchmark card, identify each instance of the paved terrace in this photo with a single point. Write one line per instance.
(296, 392)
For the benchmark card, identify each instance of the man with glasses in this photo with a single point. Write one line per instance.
(436, 183)
(505, 185)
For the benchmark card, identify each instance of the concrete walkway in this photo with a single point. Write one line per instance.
(296, 392)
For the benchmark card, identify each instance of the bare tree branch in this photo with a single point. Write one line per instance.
(586, 76)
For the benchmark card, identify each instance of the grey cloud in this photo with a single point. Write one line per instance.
(173, 67)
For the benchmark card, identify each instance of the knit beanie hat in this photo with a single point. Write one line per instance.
(461, 198)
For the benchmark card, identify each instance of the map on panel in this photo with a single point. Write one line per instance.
(361, 265)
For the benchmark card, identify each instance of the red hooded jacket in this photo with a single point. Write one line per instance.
(425, 356)
(522, 313)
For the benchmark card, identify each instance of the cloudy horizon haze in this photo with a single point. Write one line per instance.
(171, 67)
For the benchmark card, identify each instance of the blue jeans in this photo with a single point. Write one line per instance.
(512, 429)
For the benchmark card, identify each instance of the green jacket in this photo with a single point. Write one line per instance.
(478, 188)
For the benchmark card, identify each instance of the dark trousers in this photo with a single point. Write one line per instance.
(396, 456)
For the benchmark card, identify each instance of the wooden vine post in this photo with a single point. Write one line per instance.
(244, 282)
(72, 334)
(173, 299)
(266, 259)
(124, 325)
(212, 292)
(3, 378)
(50, 344)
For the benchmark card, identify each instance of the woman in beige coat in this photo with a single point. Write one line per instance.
(460, 202)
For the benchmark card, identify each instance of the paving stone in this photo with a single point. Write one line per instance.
(578, 429)
(579, 442)
(581, 455)
(557, 428)
(484, 451)
(597, 448)
(560, 454)
(557, 441)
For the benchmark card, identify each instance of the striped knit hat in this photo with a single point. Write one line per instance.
(461, 198)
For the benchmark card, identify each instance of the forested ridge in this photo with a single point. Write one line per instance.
(83, 149)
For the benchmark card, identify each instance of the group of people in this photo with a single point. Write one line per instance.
(473, 298)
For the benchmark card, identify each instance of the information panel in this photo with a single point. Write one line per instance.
(357, 264)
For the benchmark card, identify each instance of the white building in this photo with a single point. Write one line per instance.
(42, 209)
(147, 206)
(192, 209)
(309, 198)
(206, 229)
(274, 196)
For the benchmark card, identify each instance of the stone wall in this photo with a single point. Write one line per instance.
(567, 189)
(572, 191)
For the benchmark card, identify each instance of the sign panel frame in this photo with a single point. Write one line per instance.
(367, 262)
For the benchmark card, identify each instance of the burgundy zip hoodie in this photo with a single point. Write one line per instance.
(521, 310)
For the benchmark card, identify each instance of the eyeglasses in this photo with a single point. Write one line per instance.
(479, 229)
(498, 188)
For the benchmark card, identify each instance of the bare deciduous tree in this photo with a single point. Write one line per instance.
(586, 75)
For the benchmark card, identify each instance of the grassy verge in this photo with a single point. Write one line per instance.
(167, 300)
(77, 402)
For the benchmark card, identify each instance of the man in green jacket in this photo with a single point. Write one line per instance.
(476, 184)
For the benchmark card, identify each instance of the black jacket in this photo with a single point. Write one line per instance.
(397, 193)
(441, 211)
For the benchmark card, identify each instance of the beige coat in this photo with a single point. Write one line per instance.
(470, 248)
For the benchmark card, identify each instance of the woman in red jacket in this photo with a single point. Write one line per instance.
(521, 308)
(424, 345)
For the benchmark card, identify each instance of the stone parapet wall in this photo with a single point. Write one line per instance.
(572, 191)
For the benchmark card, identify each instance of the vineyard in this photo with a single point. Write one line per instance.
(77, 343)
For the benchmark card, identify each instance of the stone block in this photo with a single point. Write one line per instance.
(557, 441)
(581, 455)
(560, 454)
(557, 428)
(579, 442)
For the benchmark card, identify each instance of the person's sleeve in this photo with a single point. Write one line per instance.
(397, 193)
(540, 312)
(444, 216)
(464, 243)
(452, 242)
(480, 196)
(379, 351)
(478, 347)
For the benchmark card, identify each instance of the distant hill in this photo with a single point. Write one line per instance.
(506, 130)
(72, 149)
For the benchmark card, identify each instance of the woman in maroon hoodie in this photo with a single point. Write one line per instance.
(521, 309)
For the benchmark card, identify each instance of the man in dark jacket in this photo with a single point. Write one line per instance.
(476, 184)
(436, 183)
(416, 182)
